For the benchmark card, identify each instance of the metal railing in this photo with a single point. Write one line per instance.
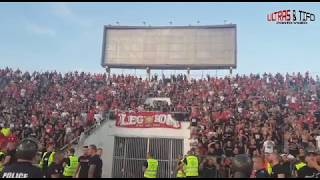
(130, 155)
(76, 140)
(109, 116)
(86, 133)
(112, 115)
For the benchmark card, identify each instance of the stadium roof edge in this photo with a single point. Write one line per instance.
(171, 27)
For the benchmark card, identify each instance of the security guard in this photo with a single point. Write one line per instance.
(6, 131)
(150, 167)
(23, 168)
(55, 170)
(71, 164)
(192, 165)
(269, 168)
(2, 156)
(299, 166)
(47, 159)
(181, 169)
(267, 164)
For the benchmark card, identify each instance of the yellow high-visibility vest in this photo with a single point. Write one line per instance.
(6, 131)
(151, 171)
(50, 160)
(269, 168)
(181, 174)
(1, 165)
(300, 165)
(192, 166)
(70, 170)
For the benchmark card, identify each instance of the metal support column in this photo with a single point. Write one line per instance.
(148, 73)
(188, 74)
(108, 70)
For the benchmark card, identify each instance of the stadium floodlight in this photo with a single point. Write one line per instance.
(198, 22)
(170, 22)
(144, 23)
(117, 22)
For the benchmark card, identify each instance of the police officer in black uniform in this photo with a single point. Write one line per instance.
(23, 168)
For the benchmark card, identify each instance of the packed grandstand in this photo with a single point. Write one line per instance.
(274, 119)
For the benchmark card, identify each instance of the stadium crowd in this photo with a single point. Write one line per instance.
(263, 116)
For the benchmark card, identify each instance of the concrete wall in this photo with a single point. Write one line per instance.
(104, 138)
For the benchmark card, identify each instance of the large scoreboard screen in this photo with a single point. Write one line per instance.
(170, 47)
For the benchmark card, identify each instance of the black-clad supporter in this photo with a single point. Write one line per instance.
(23, 168)
(209, 168)
(241, 166)
(278, 170)
(286, 164)
(83, 166)
(95, 163)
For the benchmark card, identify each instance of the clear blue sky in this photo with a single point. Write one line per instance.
(68, 36)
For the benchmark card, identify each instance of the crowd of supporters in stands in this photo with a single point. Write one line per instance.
(250, 114)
